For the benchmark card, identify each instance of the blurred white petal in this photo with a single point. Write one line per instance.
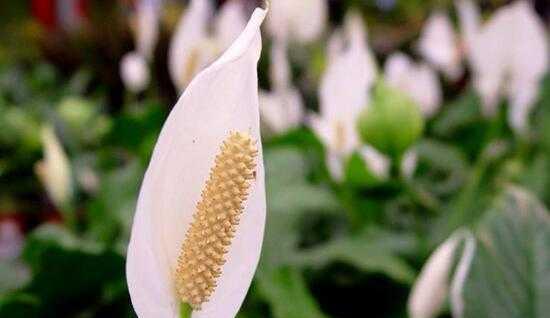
(350, 73)
(279, 71)
(522, 98)
(429, 292)
(418, 81)
(513, 66)
(54, 171)
(190, 32)
(409, 163)
(221, 99)
(439, 46)
(281, 110)
(376, 162)
(321, 127)
(230, 22)
(469, 19)
(335, 165)
(344, 90)
(302, 21)
(134, 72)
(461, 273)
(148, 15)
(11, 240)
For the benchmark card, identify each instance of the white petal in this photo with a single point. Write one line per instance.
(529, 49)
(350, 73)
(279, 71)
(376, 162)
(309, 19)
(418, 81)
(397, 69)
(469, 20)
(229, 23)
(322, 128)
(522, 58)
(303, 21)
(409, 163)
(439, 46)
(427, 91)
(431, 287)
(54, 170)
(522, 97)
(335, 165)
(461, 273)
(281, 110)
(134, 72)
(529, 63)
(221, 99)
(148, 13)
(191, 30)
(11, 240)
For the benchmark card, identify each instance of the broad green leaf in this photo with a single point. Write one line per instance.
(358, 174)
(372, 251)
(69, 277)
(287, 293)
(110, 213)
(510, 273)
(290, 198)
(442, 168)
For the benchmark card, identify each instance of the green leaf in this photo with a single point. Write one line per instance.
(372, 251)
(69, 277)
(442, 168)
(510, 274)
(358, 173)
(110, 213)
(287, 293)
(289, 199)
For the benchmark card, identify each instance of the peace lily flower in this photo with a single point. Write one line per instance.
(54, 171)
(197, 232)
(439, 45)
(469, 19)
(432, 286)
(509, 56)
(297, 21)
(193, 47)
(344, 92)
(134, 70)
(418, 81)
(282, 108)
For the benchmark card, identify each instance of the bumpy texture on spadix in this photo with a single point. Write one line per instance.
(215, 220)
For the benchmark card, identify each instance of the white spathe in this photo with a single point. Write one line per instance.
(193, 46)
(509, 56)
(54, 171)
(282, 108)
(221, 99)
(297, 21)
(439, 45)
(417, 80)
(134, 72)
(147, 27)
(429, 292)
(469, 19)
(344, 92)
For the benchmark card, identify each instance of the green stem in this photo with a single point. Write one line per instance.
(185, 310)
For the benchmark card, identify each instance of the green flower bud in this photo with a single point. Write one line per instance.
(391, 123)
